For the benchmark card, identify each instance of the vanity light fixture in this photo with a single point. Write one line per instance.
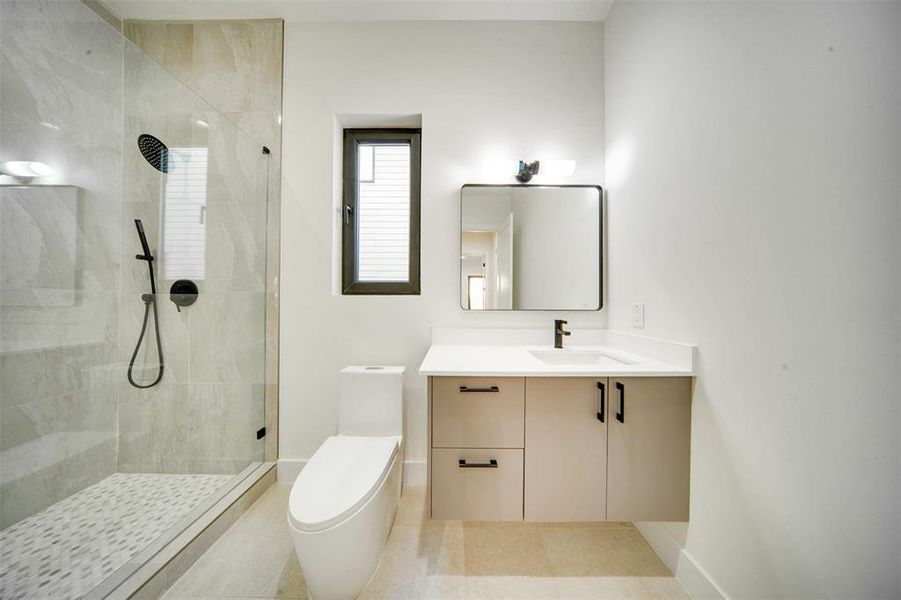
(548, 168)
(24, 171)
(527, 170)
(558, 168)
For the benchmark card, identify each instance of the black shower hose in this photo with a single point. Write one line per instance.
(148, 300)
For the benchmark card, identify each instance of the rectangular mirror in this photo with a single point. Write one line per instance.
(526, 247)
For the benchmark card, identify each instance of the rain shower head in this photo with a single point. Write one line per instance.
(155, 151)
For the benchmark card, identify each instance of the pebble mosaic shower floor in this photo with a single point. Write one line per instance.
(68, 549)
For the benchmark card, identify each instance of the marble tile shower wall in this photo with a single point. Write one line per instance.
(61, 103)
(236, 66)
(204, 415)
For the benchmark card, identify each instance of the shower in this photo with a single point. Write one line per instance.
(156, 153)
(123, 471)
(149, 302)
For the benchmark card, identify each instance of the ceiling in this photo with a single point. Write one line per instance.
(365, 10)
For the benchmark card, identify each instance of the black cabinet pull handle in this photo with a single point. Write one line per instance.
(621, 414)
(602, 391)
(491, 464)
(468, 390)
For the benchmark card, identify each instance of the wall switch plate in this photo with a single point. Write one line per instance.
(638, 316)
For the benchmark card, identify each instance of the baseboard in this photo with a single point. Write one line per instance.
(696, 582)
(290, 468)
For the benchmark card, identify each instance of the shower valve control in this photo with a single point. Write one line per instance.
(183, 293)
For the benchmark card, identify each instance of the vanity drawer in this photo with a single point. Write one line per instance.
(478, 412)
(472, 491)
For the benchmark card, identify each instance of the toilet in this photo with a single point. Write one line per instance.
(342, 504)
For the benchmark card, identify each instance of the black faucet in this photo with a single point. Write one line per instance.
(559, 332)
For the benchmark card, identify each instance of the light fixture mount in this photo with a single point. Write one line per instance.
(527, 170)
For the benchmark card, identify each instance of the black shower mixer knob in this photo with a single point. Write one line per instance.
(183, 293)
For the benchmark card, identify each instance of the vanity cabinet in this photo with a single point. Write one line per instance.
(559, 448)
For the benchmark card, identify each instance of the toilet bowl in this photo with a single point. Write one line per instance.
(343, 503)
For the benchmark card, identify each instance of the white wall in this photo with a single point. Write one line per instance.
(486, 208)
(753, 206)
(485, 91)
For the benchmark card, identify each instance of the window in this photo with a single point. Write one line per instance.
(380, 242)
(184, 212)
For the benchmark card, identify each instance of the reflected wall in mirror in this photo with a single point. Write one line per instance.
(527, 247)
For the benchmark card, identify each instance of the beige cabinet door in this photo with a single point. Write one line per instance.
(649, 429)
(566, 449)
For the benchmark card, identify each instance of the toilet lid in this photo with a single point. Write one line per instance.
(342, 475)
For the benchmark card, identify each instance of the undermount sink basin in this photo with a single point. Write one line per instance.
(577, 357)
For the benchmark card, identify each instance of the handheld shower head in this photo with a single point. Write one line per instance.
(144, 246)
(149, 303)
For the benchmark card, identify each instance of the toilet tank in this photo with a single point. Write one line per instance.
(371, 401)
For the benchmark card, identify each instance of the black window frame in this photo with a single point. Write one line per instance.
(349, 210)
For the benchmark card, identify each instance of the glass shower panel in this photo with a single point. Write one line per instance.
(205, 219)
(60, 104)
(96, 474)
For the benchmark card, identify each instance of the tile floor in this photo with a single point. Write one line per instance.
(440, 559)
(69, 548)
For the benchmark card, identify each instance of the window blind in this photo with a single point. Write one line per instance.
(184, 214)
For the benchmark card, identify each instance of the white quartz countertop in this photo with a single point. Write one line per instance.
(611, 354)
